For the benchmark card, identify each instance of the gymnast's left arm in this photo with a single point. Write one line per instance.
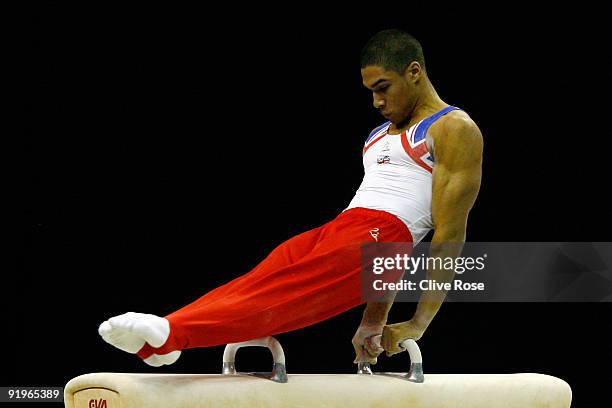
(456, 181)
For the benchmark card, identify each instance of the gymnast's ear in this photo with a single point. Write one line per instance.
(413, 72)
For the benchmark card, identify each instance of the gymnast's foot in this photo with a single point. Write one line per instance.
(130, 331)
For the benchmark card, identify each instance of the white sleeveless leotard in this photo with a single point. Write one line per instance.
(398, 175)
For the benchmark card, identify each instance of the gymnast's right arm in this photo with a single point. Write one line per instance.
(372, 324)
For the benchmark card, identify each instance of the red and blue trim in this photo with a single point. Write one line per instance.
(414, 143)
(376, 135)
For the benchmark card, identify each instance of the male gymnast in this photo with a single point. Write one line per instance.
(422, 172)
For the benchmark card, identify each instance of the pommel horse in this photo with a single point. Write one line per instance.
(278, 389)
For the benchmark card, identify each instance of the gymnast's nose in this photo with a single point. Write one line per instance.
(378, 102)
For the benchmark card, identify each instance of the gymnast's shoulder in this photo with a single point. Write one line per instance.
(456, 130)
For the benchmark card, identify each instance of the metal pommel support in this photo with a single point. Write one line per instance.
(415, 374)
(279, 370)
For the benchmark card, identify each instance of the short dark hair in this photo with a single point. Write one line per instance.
(393, 50)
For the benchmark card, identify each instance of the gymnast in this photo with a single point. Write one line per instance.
(422, 172)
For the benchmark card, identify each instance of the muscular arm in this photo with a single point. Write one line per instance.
(456, 181)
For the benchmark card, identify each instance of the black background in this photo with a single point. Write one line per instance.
(168, 150)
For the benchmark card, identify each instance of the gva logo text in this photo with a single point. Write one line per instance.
(101, 403)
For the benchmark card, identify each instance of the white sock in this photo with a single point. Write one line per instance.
(156, 360)
(130, 331)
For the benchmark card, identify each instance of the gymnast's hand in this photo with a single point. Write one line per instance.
(394, 334)
(365, 350)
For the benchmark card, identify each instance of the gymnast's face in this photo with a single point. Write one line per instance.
(394, 95)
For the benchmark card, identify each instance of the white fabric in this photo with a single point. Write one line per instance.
(130, 331)
(395, 183)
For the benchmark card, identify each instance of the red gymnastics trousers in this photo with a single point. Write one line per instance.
(305, 280)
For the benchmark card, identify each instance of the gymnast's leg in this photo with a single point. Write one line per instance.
(131, 331)
(308, 279)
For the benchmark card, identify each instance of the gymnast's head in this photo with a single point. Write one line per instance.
(393, 68)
